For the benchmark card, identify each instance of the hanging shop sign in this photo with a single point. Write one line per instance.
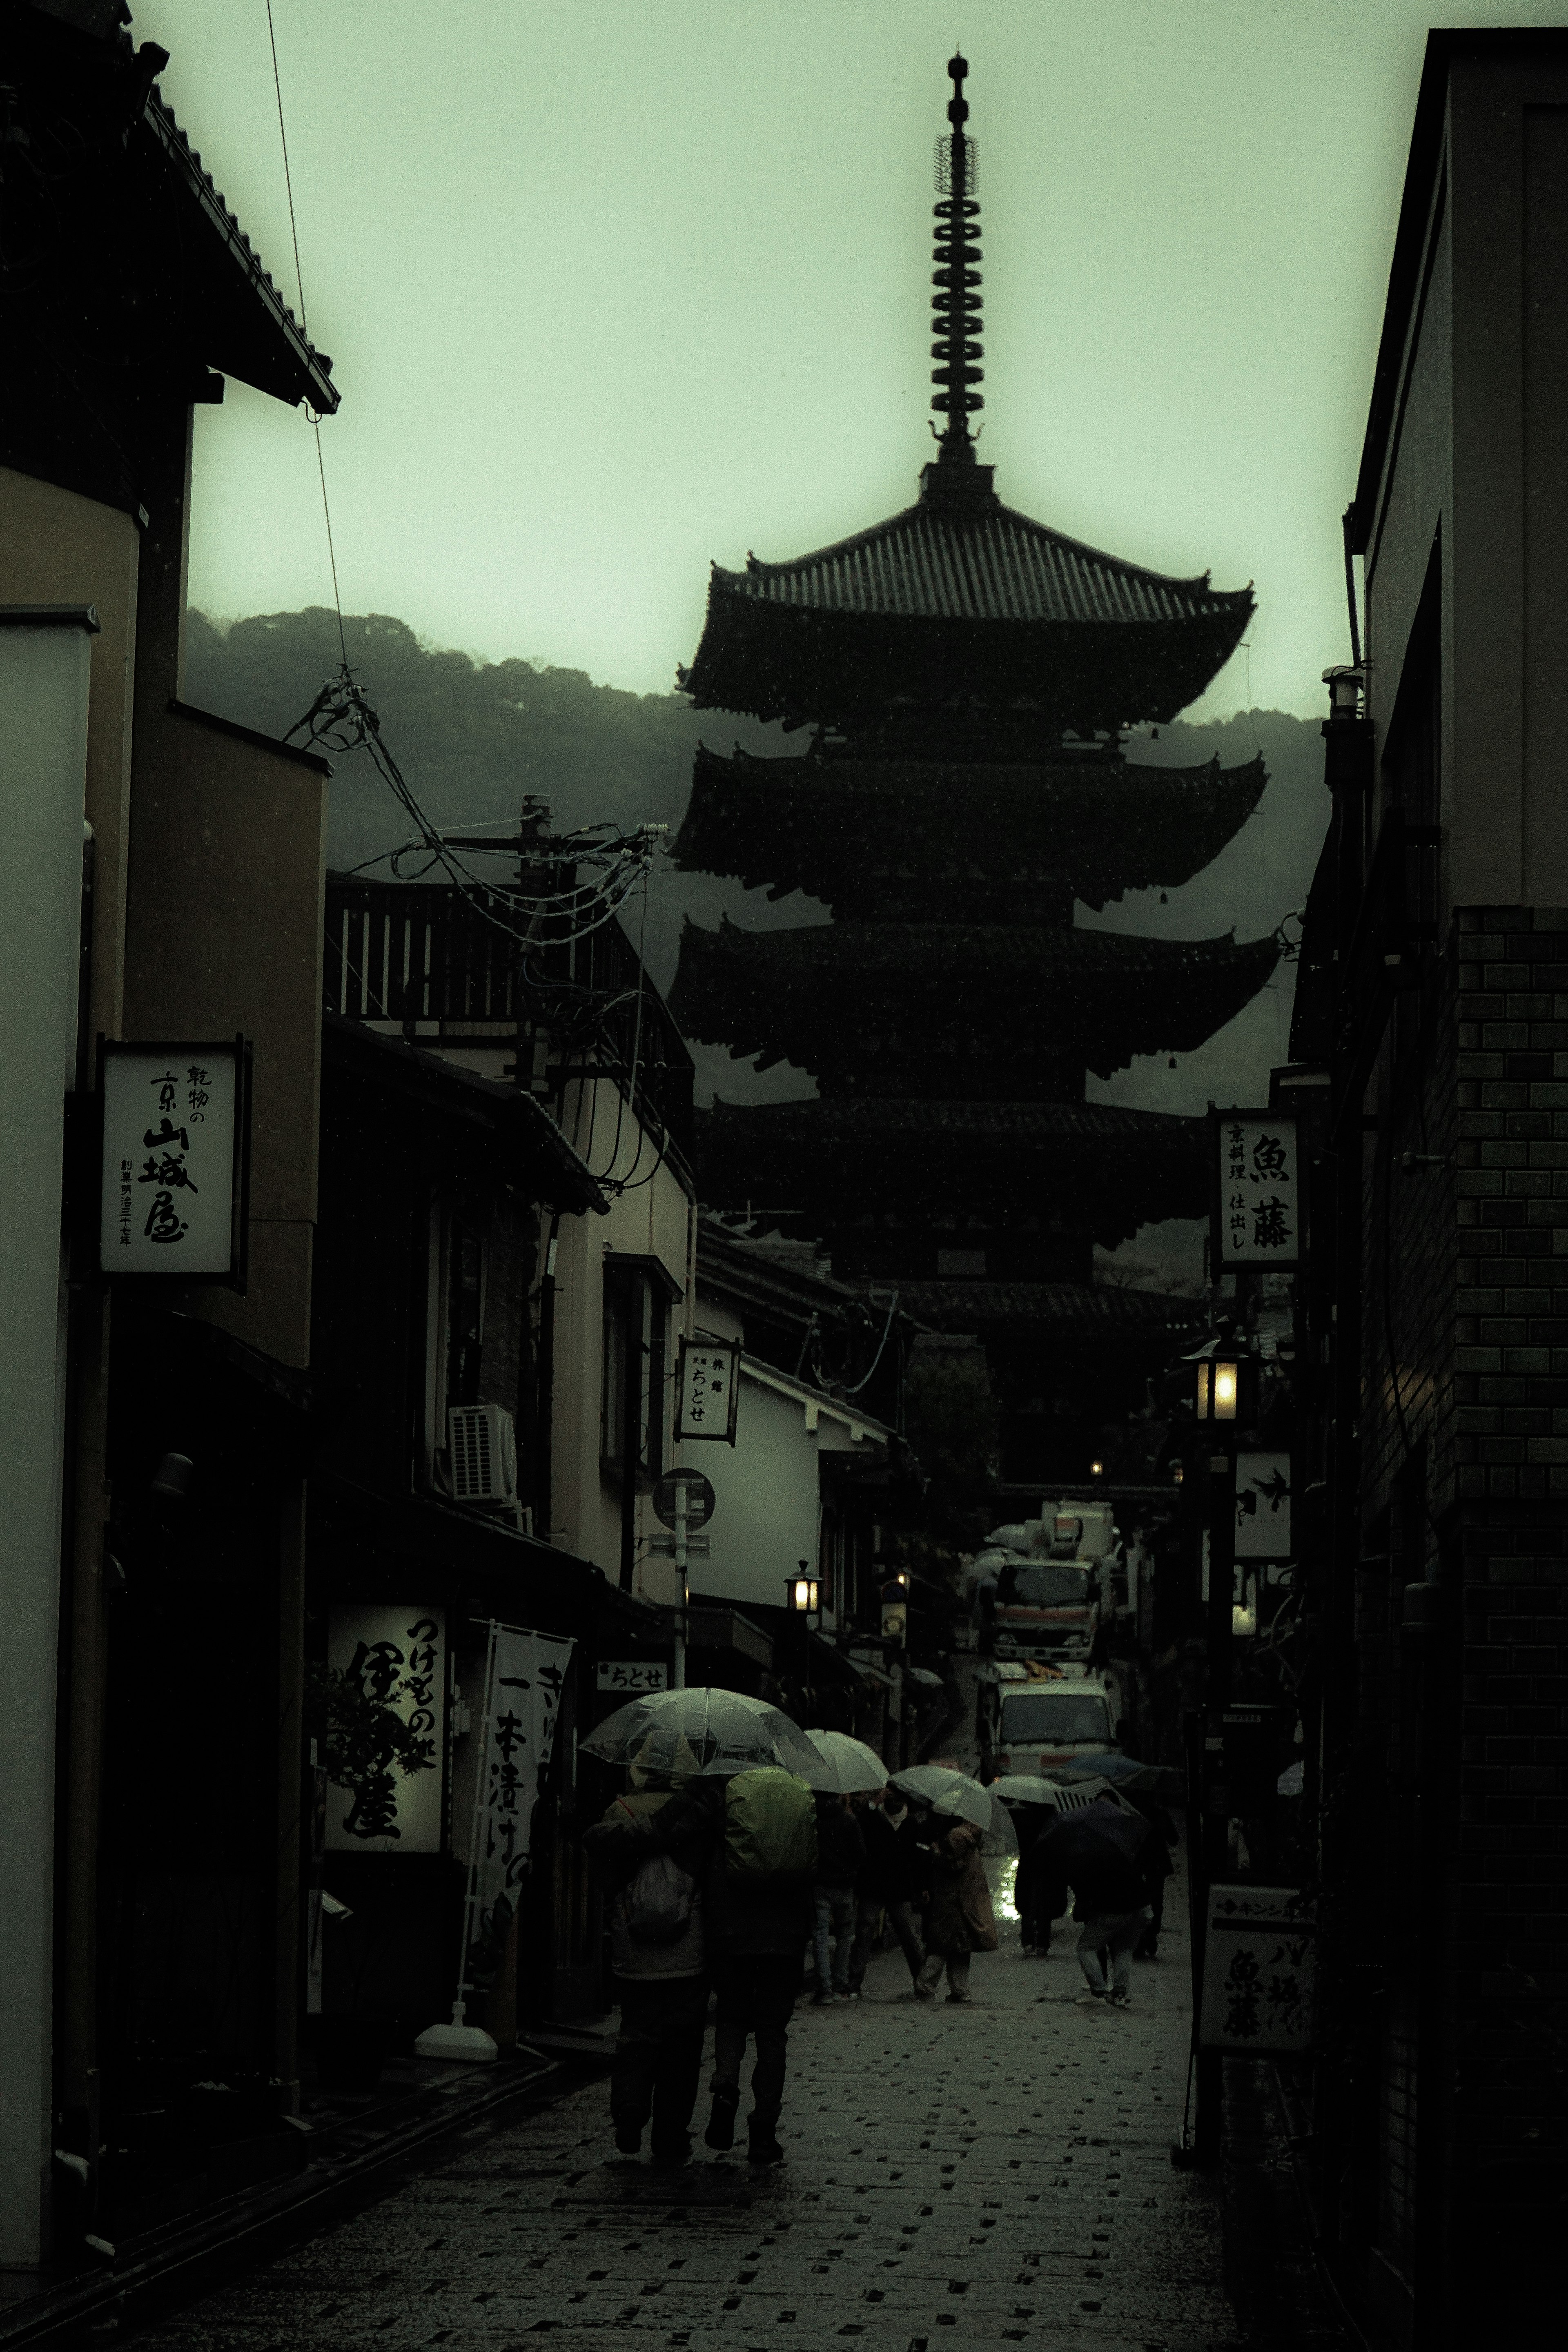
(1257, 1215)
(1263, 1506)
(708, 1389)
(1259, 1968)
(396, 1657)
(176, 1160)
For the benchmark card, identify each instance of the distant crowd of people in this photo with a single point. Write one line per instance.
(723, 1884)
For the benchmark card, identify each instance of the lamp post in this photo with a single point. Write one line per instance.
(1223, 1400)
(802, 1595)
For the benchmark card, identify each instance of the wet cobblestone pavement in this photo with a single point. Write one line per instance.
(991, 2175)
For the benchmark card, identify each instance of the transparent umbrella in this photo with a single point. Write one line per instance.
(953, 1793)
(849, 1763)
(1025, 1788)
(687, 1732)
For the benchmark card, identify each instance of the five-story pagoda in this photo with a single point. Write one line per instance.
(968, 675)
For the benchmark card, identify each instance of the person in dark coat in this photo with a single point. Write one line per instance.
(1032, 1888)
(840, 1859)
(661, 1985)
(1158, 1872)
(756, 1937)
(890, 1883)
(959, 1919)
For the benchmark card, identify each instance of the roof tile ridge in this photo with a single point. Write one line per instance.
(758, 567)
(1197, 582)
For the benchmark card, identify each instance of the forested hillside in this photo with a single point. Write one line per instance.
(473, 737)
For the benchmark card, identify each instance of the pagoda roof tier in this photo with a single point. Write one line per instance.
(1094, 1167)
(958, 601)
(864, 835)
(1067, 1310)
(957, 1009)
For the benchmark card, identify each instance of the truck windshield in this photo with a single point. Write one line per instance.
(1061, 1586)
(1054, 1717)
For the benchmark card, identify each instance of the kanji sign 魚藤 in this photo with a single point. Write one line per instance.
(1257, 1200)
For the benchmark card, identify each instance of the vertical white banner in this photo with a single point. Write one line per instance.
(527, 1674)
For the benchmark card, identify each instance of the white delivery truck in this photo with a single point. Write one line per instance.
(1030, 1718)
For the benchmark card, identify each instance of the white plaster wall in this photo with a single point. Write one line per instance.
(45, 678)
(767, 1515)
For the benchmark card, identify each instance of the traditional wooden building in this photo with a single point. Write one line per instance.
(968, 675)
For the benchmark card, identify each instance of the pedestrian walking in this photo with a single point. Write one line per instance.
(890, 1883)
(1158, 1871)
(959, 1919)
(1032, 1888)
(757, 1830)
(659, 1963)
(1103, 1852)
(840, 1859)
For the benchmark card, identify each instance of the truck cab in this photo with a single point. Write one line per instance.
(1030, 1718)
(1044, 1586)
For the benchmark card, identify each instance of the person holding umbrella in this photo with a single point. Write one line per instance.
(965, 1820)
(745, 1828)
(1102, 1852)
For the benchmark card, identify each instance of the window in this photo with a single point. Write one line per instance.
(634, 1365)
(454, 1323)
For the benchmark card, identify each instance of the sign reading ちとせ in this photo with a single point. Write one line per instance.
(707, 1390)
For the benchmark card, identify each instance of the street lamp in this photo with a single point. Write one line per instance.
(1224, 1385)
(803, 1592)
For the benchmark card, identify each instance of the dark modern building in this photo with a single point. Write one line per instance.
(1431, 1053)
(968, 676)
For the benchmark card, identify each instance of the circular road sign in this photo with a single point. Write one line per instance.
(700, 1497)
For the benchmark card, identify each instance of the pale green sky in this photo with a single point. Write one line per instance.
(613, 287)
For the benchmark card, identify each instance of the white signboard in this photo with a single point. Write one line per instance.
(397, 1655)
(708, 1389)
(527, 1671)
(173, 1148)
(1263, 1506)
(631, 1674)
(1259, 1970)
(1258, 1203)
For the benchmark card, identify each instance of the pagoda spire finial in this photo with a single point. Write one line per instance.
(955, 305)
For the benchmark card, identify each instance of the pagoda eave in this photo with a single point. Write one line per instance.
(845, 998)
(1094, 1168)
(780, 661)
(847, 830)
(1067, 1310)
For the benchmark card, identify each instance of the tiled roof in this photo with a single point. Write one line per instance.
(1063, 1306)
(824, 1123)
(312, 371)
(977, 563)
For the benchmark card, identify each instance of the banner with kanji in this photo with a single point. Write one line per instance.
(527, 1673)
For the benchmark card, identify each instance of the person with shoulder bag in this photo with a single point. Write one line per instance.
(759, 1828)
(659, 1964)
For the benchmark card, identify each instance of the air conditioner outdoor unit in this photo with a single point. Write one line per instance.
(481, 1449)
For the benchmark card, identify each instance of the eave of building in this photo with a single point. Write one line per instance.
(815, 1406)
(1089, 1309)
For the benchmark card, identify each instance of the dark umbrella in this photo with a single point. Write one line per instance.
(1099, 1833)
(1165, 1786)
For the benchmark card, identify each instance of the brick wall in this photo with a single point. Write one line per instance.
(1464, 1711)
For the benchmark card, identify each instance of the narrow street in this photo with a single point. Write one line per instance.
(999, 2174)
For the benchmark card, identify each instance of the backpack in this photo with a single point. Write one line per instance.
(770, 1827)
(657, 1903)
